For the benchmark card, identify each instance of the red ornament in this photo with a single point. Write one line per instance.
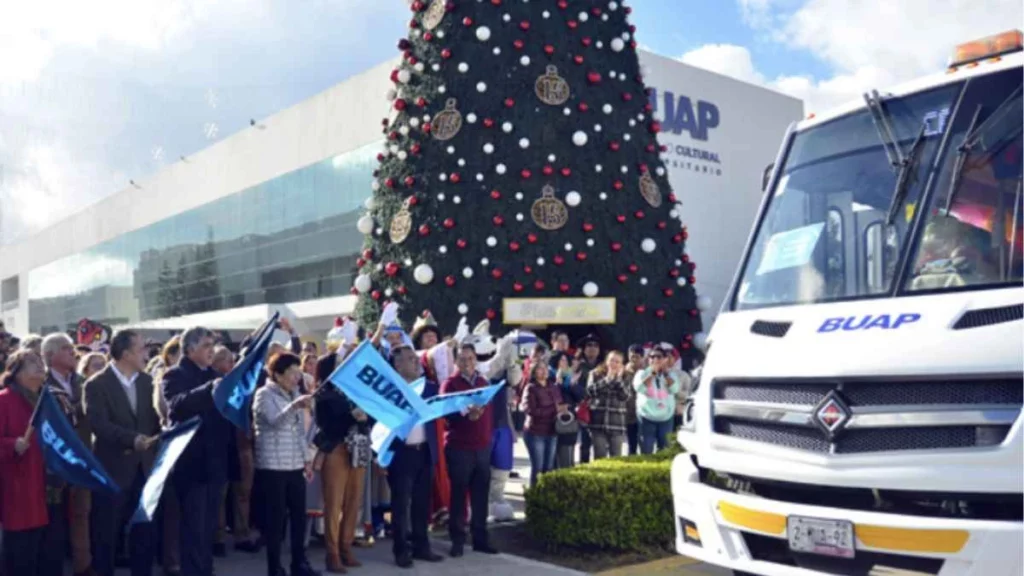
(497, 273)
(572, 24)
(672, 197)
(428, 36)
(622, 278)
(449, 281)
(586, 41)
(674, 273)
(639, 214)
(633, 268)
(394, 75)
(564, 288)
(651, 148)
(677, 238)
(621, 219)
(547, 170)
(391, 268)
(616, 246)
(562, 4)
(648, 107)
(402, 290)
(513, 246)
(415, 149)
(618, 185)
(578, 59)
(424, 230)
(654, 127)
(558, 260)
(448, 223)
(495, 195)
(375, 294)
(549, 49)
(538, 285)
(467, 21)
(566, 172)
(417, 6)
(692, 280)
(360, 262)
(404, 44)
(582, 107)
(531, 238)
(455, 178)
(461, 244)
(525, 174)
(449, 6)
(426, 127)
(686, 233)
(685, 345)
(409, 181)
(594, 77)
(393, 135)
(626, 96)
(496, 2)
(640, 309)
(517, 287)
(518, 44)
(498, 220)
(524, 26)
(491, 314)
(421, 102)
(588, 227)
(694, 312)
(581, 256)
(659, 313)
(446, 53)
(668, 292)
(614, 145)
(389, 182)
(488, 123)
(528, 269)
(662, 225)
(686, 258)
(663, 147)
(509, 102)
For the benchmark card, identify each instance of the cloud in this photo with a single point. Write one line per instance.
(864, 43)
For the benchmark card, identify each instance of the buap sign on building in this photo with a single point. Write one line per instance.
(681, 116)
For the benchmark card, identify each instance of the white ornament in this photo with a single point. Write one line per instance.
(442, 177)
(604, 17)
(500, 169)
(611, 74)
(408, 262)
(598, 168)
(483, 33)
(450, 149)
(607, 108)
(627, 137)
(440, 197)
(551, 157)
(703, 303)
(404, 130)
(402, 154)
(467, 272)
(479, 177)
(590, 242)
(624, 169)
(375, 186)
(660, 171)
(613, 6)
(573, 198)
(419, 67)
(632, 122)
(380, 266)
(679, 262)
(423, 274)
(414, 122)
(643, 281)
(583, 17)
(365, 224)
(391, 94)
(648, 245)
(603, 196)
(370, 203)
(579, 138)
(481, 86)
(442, 249)
(463, 309)
(540, 261)
(440, 33)
(488, 148)
(519, 217)
(681, 281)
(363, 283)
(524, 60)
(625, 35)
(441, 89)
(597, 127)
(388, 292)
(590, 289)
(506, 127)
(524, 143)
(484, 261)
(457, 199)
(566, 111)
(546, 14)
(506, 18)
(404, 76)
(435, 67)
(496, 51)
(492, 241)
(471, 118)
(378, 231)
(673, 214)
(568, 247)
(519, 196)
(617, 44)
(463, 67)
(700, 340)
(599, 44)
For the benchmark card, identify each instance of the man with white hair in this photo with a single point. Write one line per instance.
(58, 352)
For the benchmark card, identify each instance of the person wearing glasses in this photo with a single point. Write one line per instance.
(656, 388)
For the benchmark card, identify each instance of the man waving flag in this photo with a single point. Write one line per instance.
(65, 454)
(233, 395)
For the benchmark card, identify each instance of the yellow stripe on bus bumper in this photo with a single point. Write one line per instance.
(879, 537)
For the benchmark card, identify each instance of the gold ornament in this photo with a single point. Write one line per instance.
(447, 123)
(434, 14)
(549, 213)
(401, 224)
(551, 88)
(649, 189)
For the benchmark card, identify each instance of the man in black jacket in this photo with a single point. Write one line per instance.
(411, 473)
(201, 471)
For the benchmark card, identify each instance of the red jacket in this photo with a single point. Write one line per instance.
(22, 478)
(463, 433)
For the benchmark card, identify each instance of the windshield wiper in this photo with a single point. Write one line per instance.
(972, 137)
(904, 163)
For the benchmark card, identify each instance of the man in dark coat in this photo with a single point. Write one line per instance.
(120, 410)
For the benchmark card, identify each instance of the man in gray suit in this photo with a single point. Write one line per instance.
(125, 425)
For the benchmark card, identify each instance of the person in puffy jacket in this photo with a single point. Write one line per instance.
(608, 394)
(542, 402)
(656, 388)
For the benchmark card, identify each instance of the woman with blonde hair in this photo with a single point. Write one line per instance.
(91, 363)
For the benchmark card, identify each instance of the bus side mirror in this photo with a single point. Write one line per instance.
(766, 177)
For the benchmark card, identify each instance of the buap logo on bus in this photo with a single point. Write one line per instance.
(868, 322)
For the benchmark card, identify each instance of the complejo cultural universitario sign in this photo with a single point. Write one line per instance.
(559, 310)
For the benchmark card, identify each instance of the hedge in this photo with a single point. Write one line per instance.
(620, 503)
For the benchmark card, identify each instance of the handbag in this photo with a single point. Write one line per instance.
(566, 424)
(583, 412)
(359, 449)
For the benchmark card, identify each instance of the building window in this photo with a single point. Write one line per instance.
(9, 293)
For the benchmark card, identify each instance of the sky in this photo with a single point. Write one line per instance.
(96, 94)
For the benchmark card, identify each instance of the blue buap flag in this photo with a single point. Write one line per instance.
(373, 385)
(437, 407)
(233, 396)
(65, 454)
(172, 444)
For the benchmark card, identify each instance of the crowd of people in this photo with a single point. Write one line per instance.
(306, 467)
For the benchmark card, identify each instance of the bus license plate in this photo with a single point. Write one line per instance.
(819, 536)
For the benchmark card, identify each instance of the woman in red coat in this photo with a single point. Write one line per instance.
(22, 471)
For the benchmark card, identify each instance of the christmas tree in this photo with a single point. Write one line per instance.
(521, 160)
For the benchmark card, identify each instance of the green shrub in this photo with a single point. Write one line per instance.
(620, 503)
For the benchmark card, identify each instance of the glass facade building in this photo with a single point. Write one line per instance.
(289, 239)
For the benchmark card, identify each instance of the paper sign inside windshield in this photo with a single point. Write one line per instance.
(790, 249)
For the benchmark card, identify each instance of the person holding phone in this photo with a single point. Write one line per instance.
(656, 387)
(572, 392)
(608, 392)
